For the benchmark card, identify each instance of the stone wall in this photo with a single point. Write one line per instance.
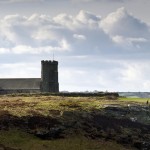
(19, 91)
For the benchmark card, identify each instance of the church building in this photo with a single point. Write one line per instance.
(47, 83)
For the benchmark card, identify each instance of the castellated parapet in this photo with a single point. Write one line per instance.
(49, 76)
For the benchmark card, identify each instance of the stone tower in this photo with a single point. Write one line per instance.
(49, 76)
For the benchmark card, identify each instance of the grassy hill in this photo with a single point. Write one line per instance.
(41, 122)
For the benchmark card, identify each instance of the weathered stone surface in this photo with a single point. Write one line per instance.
(135, 113)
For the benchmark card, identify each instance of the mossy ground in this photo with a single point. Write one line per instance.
(30, 105)
(21, 140)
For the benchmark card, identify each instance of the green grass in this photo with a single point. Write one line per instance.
(25, 141)
(138, 100)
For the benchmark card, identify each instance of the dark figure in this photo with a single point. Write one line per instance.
(147, 102)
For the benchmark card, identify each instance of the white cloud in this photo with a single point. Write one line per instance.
(135, 76)
(83, 19)
(79, 37)
(126, 30)
(61, 32)
(91, 50)
(87, 17)
(23, 49)
(4, 51)
(131, 73)
(128, 43)
(57, 33)
(31, 34)
(19, 70)
(121, 23)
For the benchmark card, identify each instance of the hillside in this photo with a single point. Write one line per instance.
(61, 123)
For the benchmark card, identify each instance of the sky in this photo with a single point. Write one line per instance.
(101, 45)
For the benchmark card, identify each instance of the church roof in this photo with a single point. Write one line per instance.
(19, 83)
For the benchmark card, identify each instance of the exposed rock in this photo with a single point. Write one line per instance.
(52, 133)
(135, 113)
